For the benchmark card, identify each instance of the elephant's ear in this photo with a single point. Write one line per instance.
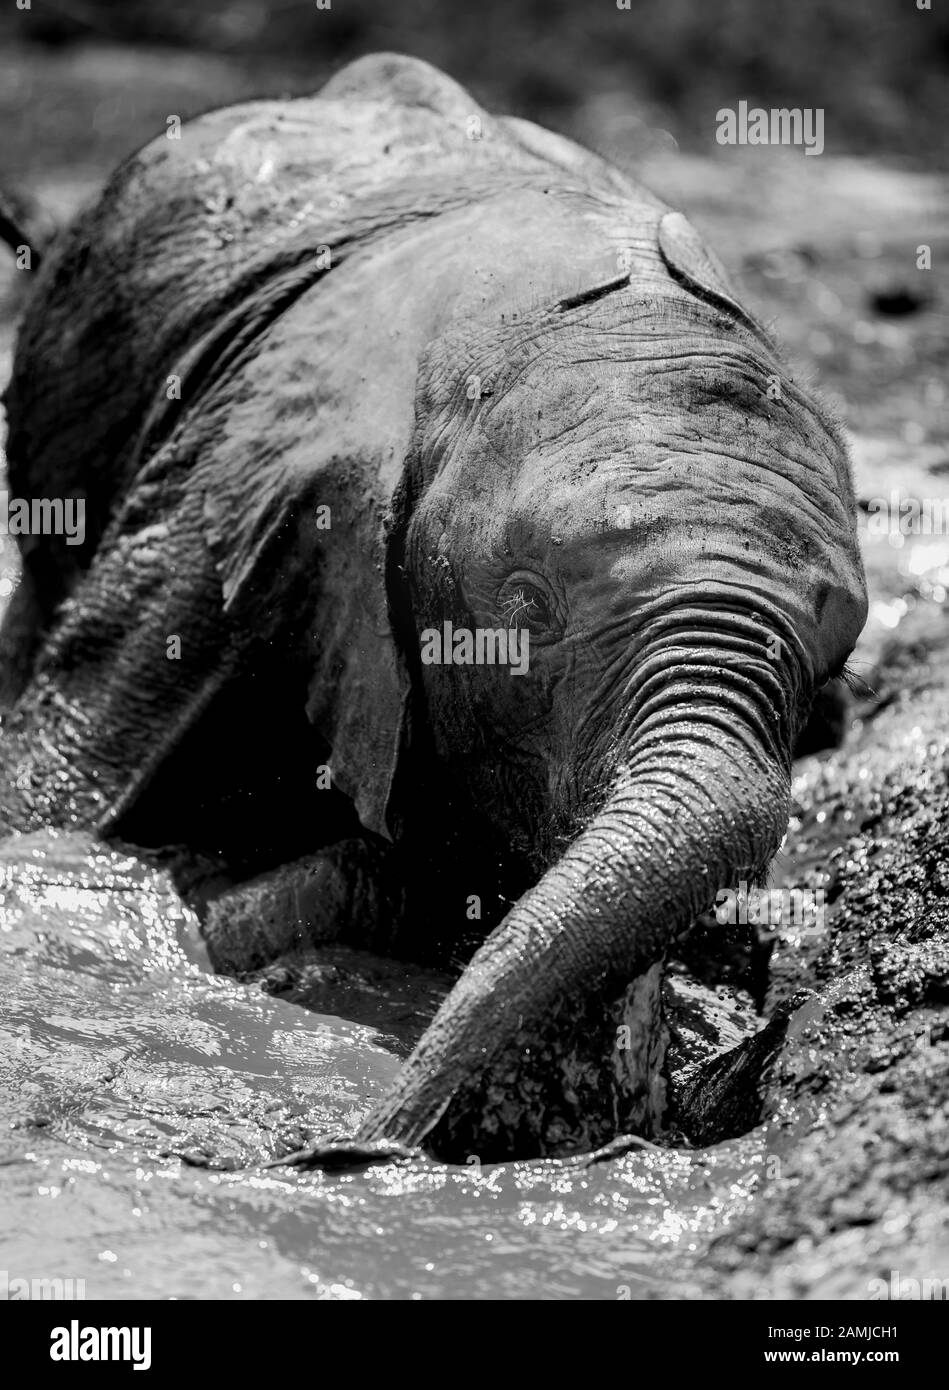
(298, 473)
(285, 589)
(692, 265)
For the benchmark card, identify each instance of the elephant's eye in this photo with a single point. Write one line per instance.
(525, 601)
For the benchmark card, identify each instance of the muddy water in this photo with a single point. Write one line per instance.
(124, 1063)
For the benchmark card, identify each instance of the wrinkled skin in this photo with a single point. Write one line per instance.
(528, 396)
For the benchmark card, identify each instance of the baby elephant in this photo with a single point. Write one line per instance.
(460, 563)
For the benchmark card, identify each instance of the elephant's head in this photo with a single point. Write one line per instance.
(631, 478)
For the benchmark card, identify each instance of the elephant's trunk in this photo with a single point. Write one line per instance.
(700, 799)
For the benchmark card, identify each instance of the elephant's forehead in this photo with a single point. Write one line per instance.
(623, 338)
(660, 376)
(676, 505)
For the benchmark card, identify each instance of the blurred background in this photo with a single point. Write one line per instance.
(83, 82)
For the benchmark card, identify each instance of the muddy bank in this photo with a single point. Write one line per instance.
(860, 1090)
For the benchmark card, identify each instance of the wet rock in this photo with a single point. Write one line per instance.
(703, 1023)
(725, 1097)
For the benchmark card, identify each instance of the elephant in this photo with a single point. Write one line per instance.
(461, 567)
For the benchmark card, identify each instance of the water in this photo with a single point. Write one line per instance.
(124, 1062)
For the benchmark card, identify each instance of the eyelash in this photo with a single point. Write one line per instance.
(515, 604)
(850, 677)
